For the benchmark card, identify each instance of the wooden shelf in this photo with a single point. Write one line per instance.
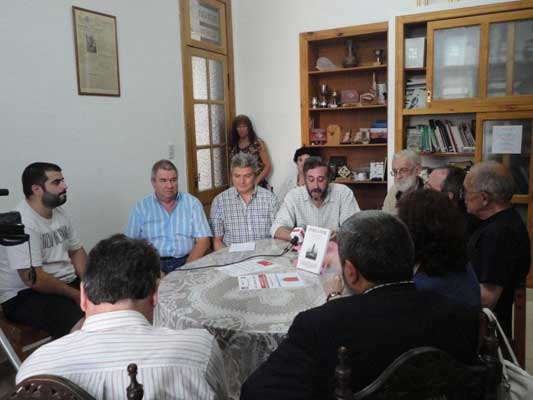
(365, 182)
(348, 70)
(448, 154)
(331, 43)
(362, 106)
(419, 69)
(348, 145)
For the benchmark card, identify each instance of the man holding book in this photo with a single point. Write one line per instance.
(318, 203)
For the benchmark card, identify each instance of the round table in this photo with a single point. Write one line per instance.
(248, 325)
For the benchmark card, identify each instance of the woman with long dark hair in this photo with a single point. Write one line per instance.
(244, 140)
(438, 229)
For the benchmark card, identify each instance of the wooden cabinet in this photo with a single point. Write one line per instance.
(479, 71)
(369, 75)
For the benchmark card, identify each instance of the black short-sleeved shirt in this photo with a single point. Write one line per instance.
(500, 255)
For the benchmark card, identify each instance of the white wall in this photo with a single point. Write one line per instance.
(266, 42)
(105, 145)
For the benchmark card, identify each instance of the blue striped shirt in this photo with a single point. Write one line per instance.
(172, 234)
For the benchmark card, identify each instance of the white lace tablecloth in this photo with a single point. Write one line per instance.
(249, 325)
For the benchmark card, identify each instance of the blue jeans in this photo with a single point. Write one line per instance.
(169, 264)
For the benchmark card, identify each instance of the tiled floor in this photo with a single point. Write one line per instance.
(7, 372)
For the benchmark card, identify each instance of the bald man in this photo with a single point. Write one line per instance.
(499, 249)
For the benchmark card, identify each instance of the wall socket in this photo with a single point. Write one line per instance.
(171, 151)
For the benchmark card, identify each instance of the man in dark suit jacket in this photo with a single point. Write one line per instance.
(385, 317)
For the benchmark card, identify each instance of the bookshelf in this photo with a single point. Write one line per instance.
(478, 69)
(364, 77)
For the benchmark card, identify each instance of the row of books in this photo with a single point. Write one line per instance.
(415, 92)
(440, 136)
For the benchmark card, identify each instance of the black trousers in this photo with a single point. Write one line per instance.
(52, 313)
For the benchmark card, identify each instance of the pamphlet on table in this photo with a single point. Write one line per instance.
(247, 267)
(270, 281)
(247, 246)
(313, 250)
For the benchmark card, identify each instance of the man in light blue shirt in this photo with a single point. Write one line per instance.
(174, 222)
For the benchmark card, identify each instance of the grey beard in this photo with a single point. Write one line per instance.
(407, 183)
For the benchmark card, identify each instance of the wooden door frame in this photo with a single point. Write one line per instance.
(188, 109)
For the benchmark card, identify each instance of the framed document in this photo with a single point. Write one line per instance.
(95, 39)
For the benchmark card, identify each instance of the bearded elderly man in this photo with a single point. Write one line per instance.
(405, 169)
(244, 212)
(39, 285)
(174, 222)
(318, 203)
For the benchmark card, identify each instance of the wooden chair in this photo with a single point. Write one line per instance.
(48, 387)
(51, 387)
(20, 336)
(427, 373)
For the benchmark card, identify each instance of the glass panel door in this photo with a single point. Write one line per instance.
(507, 139)
(510, 58)
(210, 116)
(456, 63)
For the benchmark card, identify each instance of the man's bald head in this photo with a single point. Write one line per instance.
(493, 178)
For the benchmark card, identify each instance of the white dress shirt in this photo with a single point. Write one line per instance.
(185, 364)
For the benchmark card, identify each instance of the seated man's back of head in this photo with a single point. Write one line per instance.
(118, 295)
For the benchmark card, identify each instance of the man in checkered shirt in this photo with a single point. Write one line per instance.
(244, 212)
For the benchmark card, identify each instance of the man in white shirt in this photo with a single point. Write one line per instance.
(318, 203)
(39, 284)
(118, 295)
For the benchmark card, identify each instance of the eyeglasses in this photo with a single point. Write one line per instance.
(401, 171)
(463, 193)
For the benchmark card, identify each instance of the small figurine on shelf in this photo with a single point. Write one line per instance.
(347, 137)
(324, 94)
(334, 103)
(379, 56)
(314, 103)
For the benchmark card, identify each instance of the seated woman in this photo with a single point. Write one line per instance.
(300, 155)
(439, 234)
(243, 139)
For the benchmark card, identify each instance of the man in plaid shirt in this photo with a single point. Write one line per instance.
(244, 212)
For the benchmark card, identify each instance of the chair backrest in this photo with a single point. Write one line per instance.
(427, 372)
(48, 387)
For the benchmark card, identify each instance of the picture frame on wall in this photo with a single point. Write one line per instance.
(95, 40)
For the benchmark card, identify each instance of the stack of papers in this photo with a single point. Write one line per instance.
(270, 281)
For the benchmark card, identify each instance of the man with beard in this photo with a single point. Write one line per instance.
(318, 203)
(39, 283)
(405, 169)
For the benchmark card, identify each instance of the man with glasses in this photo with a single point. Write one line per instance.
(499, 249)
(449, 179)
(405, 170)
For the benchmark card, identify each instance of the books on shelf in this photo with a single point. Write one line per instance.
(415, 92)
(441, 136)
